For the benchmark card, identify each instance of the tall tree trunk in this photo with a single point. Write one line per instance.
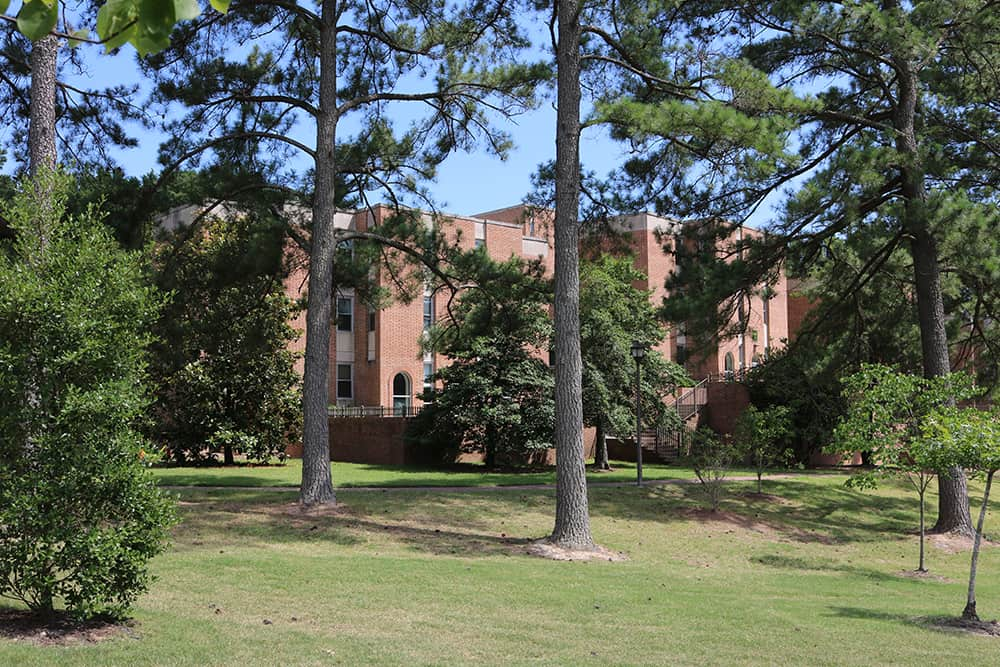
(572, 526)
(953, 497)
(970, 605)
(601, 447)
(317, 487)
(42, 112)
(42, 128)
(227, 456)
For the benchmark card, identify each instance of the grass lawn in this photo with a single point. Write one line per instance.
(363, 474)
(814, 575)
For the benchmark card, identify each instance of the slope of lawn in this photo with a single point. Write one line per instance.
(812, 575)
(363, 474)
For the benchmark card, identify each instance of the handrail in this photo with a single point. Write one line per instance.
(692, 391)
(373, 411)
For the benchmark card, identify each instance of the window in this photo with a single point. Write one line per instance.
(531, 225)
(400, 394)
(371, 319)
(480, 243)
(428, 376)
(345, 314)
(730, 365)
(345, 381)
(428, 312)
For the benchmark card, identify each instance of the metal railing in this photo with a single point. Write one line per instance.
(374, 410)
(693, 400)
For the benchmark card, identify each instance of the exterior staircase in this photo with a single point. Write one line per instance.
(666, 445)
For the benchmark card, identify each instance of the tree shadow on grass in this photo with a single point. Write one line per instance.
(937, 623)
(805, 512)
(220, 519)
(816, 564)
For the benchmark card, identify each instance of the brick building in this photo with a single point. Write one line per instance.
(376, 362)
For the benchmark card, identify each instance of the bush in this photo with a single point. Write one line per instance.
(711, 457)
(80, 516)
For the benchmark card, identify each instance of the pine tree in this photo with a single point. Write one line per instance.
(344, 67)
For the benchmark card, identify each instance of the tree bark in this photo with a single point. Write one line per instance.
(970, 605)
(601, 447)
(317, 486)
(953, 497)
(572, 525)
(42, 111)
(42, 129)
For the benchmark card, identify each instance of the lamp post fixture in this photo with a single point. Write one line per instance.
(638, 351)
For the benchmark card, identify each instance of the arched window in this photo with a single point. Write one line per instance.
(730, 365)
(401, 394)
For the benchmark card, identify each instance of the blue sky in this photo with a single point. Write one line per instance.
(466, 184)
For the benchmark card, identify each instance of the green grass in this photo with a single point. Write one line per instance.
(363, 474)
(814, 576)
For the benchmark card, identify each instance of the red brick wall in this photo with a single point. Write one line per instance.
(726, 402)
(368, 440)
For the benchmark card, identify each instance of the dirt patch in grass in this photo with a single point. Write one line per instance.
(951, 543)
(26, 626)
(926, 575)
(764, 498)
(755, 525)
(985, 628)
(545, 549)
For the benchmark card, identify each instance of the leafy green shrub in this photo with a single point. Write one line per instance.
(80, 516)
(711, 457)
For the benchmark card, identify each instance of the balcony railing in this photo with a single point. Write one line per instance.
(374, 410)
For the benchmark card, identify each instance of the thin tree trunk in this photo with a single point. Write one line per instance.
(317, 486)
(227, 455)
(970, 606)
(601, 447)
(923, 491)
(572, 526)
(953, 499)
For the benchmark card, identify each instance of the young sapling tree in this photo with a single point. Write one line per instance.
(762, 436)
(974, 436)
(886, 415)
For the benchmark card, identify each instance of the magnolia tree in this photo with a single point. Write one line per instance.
(887, 415)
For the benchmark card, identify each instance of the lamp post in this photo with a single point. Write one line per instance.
(638, 351)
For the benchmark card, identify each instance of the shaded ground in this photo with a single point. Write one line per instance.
(17, 625)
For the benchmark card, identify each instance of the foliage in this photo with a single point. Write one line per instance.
(887, 410)
(80, 515)
(711, 457)
(227, 378)
(613, 314)
(497, 393)
(761, 436)
(887, 416)
(799, 379)
(972, 438)
(145, 25)
(311, 70)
